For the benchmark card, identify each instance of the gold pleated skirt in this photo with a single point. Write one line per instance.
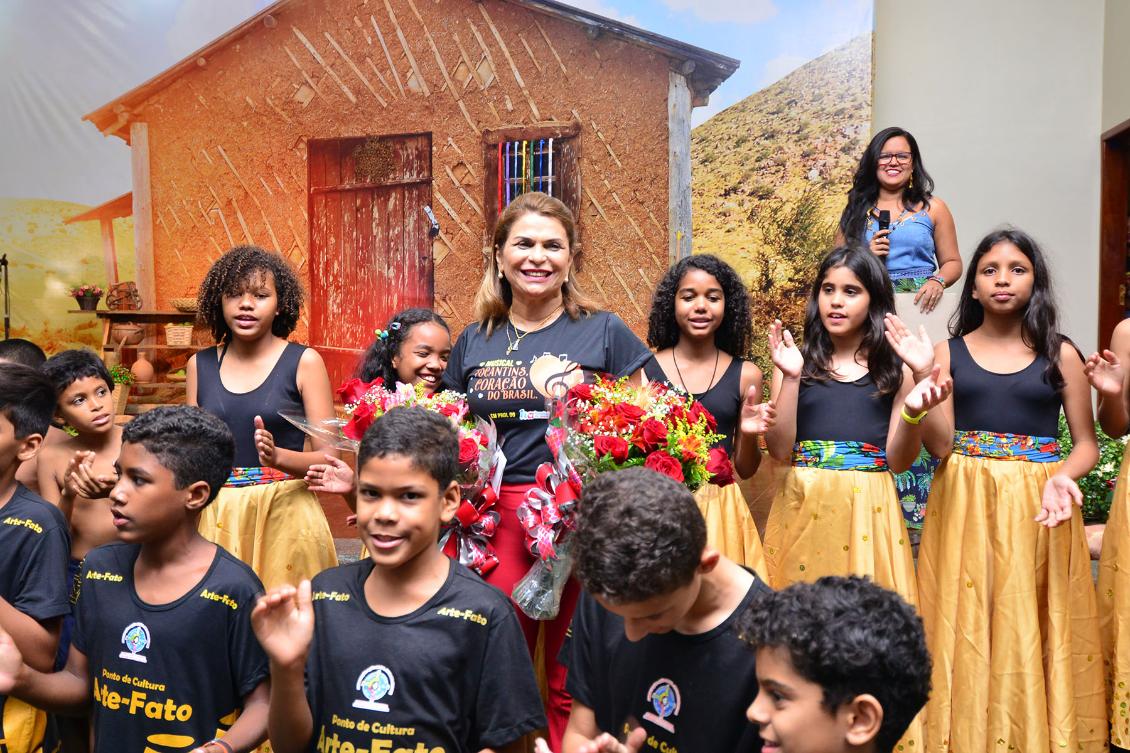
(729, 526)
(1010, 615)
(1114, 608)
(279, 529)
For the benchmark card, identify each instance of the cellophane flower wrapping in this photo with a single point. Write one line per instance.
(467, 537)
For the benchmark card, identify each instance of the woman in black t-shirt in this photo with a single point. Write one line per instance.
(537, 335)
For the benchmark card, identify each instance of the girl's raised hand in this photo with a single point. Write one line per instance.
(283, 621)
(1059, 493)
(756, 417)
(915, 350)
(784, 352)
(264, 443)
(928, 393)
(332, 477)
(1105, 373)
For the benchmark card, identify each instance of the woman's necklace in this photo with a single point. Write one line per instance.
(512, 345)
(717, 355)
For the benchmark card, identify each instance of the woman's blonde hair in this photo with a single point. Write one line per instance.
(493, 299)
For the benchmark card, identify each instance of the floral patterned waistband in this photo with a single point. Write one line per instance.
(987, 444)
(908, 284)
(255, 477)
(839, 456)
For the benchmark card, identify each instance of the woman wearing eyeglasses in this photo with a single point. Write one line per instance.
(919, 248)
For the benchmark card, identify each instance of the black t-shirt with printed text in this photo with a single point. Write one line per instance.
(512, 388)
(34, 550)
(166, 677)
(453, 676)
(690, 692)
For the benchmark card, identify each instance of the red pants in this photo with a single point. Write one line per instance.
(514, 561)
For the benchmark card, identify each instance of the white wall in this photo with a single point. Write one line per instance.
(1116, 64)
(1005, 100)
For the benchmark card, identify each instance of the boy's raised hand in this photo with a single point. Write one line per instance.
(80, 479)
(784, 352)
(283, 621)
(928, 393)
(1105, 373)
(11, 661)
(915, 350)
(332, 477)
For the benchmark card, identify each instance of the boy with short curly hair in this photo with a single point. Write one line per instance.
(652, 641)
(842, 666)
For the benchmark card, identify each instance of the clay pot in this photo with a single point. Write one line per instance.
(127, 334)
(142, 370)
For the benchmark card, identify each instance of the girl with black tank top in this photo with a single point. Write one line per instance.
(264, 515)
(1004, 570)
(700, 325)
(849, 413)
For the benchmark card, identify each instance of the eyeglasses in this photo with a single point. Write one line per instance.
(887, 158)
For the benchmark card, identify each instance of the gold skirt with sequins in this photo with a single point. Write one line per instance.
(729, 526)
(1010, 615)
(1114, 608)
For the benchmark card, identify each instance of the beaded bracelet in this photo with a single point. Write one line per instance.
(938, 279)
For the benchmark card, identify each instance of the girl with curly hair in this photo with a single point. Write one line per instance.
(700, 326)
(250, 300)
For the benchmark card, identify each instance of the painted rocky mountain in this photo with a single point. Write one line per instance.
(771, 173)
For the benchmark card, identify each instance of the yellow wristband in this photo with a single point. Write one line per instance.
(913, 419)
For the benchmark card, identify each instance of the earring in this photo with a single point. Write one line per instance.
(500, 273)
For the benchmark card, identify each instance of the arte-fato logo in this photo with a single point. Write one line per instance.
(374, 683)
(136, 639)
(663, 695)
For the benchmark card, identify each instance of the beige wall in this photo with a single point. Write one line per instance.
(1116, 64)
(1006, 101)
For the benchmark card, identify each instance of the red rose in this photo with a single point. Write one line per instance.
(661, 462)
(450, 409)
(468, 451)
(582, 391)
(614, 446)
(353, 390)
(720, 467)
(362, 419)
(628, 413)
(651, 435)
(697, 411)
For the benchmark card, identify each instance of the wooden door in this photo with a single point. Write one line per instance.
(1114, 231)
(370, 253)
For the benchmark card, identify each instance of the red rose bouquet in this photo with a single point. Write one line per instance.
(467, 537)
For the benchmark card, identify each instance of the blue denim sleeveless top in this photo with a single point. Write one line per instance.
(912, 245)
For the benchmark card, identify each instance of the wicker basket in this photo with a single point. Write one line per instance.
(187, 305)
(178, 334)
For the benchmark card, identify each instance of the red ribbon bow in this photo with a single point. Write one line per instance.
(467, 537)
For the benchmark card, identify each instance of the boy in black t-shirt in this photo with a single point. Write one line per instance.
(842, 665)
(406, 650)
(652, 641)
(162, 644)
(33, 549)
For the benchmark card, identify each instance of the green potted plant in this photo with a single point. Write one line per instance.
(87, 295)
(1098, 485)
(122, 381)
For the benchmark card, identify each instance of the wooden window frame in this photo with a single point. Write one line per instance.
(1114, 246)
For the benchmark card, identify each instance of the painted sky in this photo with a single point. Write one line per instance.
(61, 59)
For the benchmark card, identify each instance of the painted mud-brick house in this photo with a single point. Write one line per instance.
(336, 130)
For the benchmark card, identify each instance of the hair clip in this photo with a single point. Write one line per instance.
(382, 334)
(394, 326)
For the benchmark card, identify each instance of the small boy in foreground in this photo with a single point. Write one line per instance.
(842, 666)
(407, 649)
(162, 641)
(652, 641)
(33, 549)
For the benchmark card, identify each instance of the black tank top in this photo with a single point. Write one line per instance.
(1022, 402)
(723, 400)
(843, 411)
(279, 391)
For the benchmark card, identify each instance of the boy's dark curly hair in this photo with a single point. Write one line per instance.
(377, 361)
(189, 441)
(734, 335)
(232, 273)
(639, 535)
(27, 399)
(424, 437)
(850, 637)
(69, 366)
